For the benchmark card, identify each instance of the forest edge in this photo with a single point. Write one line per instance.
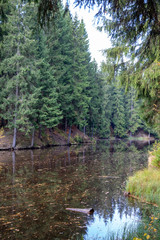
(54, 137)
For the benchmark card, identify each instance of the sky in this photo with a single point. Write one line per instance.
(98, 40)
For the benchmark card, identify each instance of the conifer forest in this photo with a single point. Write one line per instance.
(79, 139)
(47, 78)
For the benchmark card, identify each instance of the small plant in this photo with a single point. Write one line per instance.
(2, 133)
(78, 139)
(151, 230)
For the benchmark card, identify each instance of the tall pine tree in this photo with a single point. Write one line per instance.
(18, 72)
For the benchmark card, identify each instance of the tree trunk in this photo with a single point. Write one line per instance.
(17, 95)
(15, 118)
(14, 135)
(84, 130)
(32, 140)
(13, 162)
(69, 135)
(32, 159)
(13, 166)
(149, 134)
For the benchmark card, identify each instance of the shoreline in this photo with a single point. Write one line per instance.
(85, 140)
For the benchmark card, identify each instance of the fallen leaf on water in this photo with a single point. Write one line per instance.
(11, 228)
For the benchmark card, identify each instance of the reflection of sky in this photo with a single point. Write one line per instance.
(101, 228)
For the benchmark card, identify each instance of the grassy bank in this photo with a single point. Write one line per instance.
(145, 185)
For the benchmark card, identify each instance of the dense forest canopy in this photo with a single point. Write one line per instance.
(134, 27)
(47, 77)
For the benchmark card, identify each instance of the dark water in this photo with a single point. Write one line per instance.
(37, 186)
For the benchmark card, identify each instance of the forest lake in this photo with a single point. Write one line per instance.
(38, 185)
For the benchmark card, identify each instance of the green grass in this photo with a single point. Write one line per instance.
(156, 155)
(145, 185)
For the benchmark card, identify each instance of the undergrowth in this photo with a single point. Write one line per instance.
(156, 154)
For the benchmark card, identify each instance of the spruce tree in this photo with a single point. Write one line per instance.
(48, 109)
(118, 113)
(94, 104)
(98, 120)
(18, 72)
(60, 44)
(80, 73)
(132, 112)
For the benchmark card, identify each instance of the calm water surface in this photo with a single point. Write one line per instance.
(37, 186)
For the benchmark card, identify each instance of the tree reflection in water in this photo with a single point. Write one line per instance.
(38, 185)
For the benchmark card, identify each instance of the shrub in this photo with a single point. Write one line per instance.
(78, 139)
